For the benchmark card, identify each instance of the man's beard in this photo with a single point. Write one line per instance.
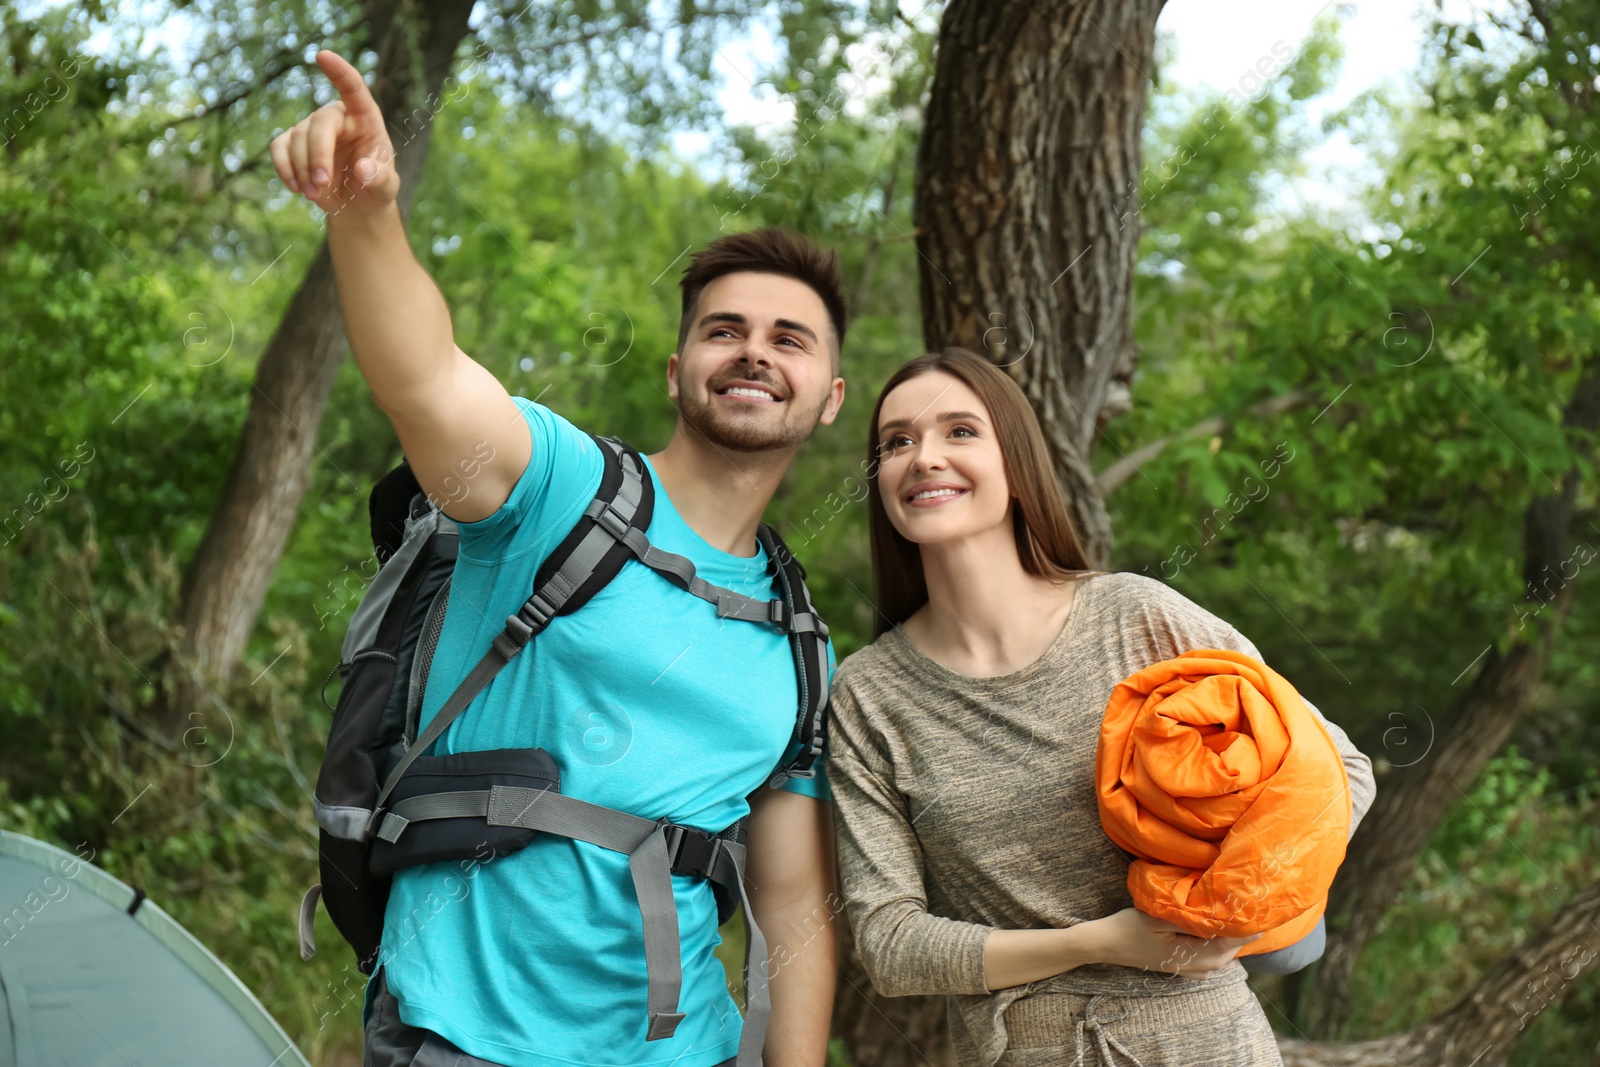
(738, 431)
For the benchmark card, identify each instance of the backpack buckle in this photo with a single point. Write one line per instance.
(778, 614)
(691, 851)
(809, 622)
(516, 634)
(810, 755)
(536, 613)
(673, 834)
(609, 519)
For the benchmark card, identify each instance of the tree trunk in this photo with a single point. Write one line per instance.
(1026, 180)
(226, 581)
(1412, 799)
(1030, 147)
(1481, 1028)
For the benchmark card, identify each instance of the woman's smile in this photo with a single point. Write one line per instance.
(934, 494)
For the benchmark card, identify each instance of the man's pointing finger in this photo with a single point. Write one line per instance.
(347, 80)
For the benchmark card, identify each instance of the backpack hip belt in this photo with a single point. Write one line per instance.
(655, 850)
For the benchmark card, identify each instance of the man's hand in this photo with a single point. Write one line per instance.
(793, 891)
(340, 155)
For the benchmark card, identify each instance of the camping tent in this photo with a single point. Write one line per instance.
(92, 973)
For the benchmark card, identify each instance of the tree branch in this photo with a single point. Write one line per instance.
(1482, 1026)
(1128, 465)
(869, 262)
(277, 65)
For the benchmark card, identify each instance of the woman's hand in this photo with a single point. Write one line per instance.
(340, 155)
(1131, 938)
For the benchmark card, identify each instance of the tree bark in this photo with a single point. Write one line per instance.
(1480, 1030)
(226, 581)
(1027, 174)
(1412, 799)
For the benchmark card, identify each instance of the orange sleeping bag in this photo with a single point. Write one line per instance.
(1212, 771)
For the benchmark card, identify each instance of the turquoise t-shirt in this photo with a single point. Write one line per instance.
(649, 703)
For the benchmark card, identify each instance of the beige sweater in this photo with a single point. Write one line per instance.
(964, 804)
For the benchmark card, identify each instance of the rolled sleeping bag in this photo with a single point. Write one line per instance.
(1227, 791)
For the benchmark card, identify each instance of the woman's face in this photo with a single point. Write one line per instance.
(940, 471)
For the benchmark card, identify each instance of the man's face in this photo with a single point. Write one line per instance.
(756, 370)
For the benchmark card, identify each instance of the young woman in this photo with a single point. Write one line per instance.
(963, 748)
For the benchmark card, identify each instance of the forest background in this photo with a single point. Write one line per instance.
(1367, 440)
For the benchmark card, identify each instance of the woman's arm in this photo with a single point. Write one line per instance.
(1129, 938)
(1357, 766)
(907, 951)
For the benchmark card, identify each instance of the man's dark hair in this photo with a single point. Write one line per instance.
(766, 251)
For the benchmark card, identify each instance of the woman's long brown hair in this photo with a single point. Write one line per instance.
(1047, 542)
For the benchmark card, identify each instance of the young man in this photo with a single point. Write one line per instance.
(649, 701)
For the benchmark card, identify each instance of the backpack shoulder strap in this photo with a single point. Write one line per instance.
(591, 554)
(595, 549)
(808, 638)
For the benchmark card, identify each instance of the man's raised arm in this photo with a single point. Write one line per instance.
(462, 433)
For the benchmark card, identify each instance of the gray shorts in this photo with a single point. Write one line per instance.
(393, 1043)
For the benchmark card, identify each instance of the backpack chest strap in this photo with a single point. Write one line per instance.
(680, 571)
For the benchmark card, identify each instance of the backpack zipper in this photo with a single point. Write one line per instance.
(432, 624)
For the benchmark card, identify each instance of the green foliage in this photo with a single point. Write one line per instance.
(1511, 851)
(1367, 537)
